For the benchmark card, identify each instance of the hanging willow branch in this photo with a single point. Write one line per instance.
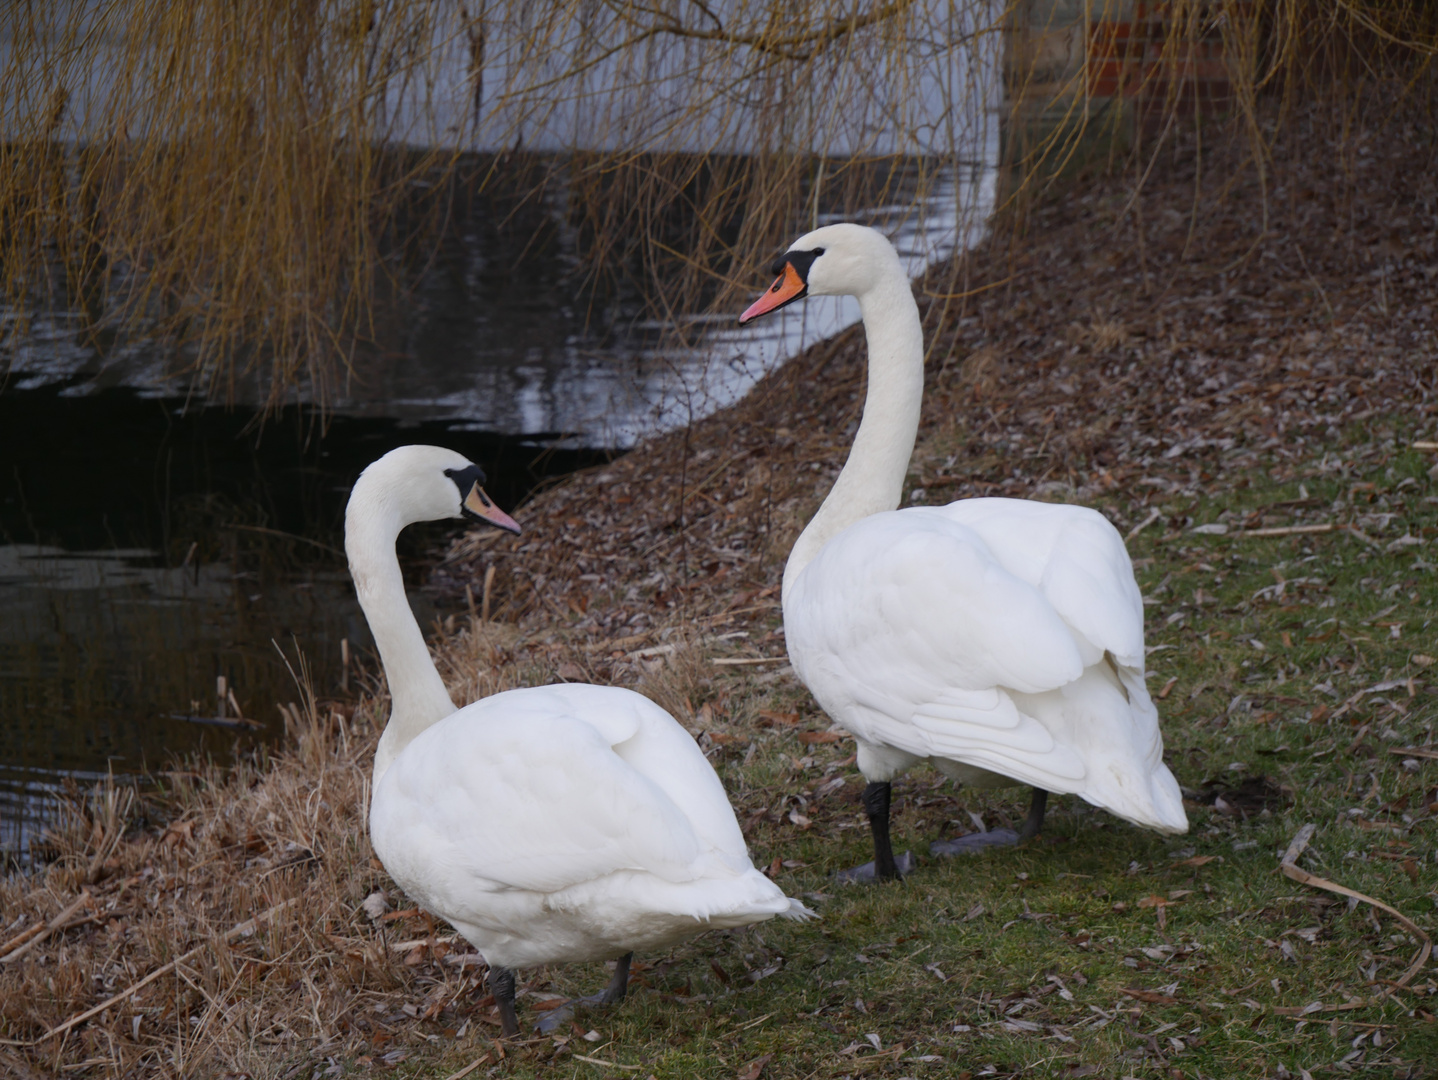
(237, 182)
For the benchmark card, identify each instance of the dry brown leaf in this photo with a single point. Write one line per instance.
(788, 719)
(179, 832)
(1150, 996)
(724, 738)
(1199, 860)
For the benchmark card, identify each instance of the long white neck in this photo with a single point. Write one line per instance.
(417, 694)
(872, 480)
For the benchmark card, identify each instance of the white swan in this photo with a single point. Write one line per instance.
(1000, 639)
(550, 824)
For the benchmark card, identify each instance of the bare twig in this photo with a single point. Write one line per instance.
(1153, 516)
(1305, 530)
(249, 926)
(476, 1063)
(1289, 530)
(36, 934)
(1294, 872)
(1355, 531)
(1414, 751)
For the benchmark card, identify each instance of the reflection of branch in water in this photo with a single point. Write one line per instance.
(289, 536)
(474, 31)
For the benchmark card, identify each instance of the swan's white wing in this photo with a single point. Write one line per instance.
(994, 632)
(1079, 562)
(906, 627)
(925, 629)
(525, 790)
(1075, 557)
(921, 602)
(649, 741)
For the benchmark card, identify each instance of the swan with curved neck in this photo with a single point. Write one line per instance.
(549, 824)
(999, 639)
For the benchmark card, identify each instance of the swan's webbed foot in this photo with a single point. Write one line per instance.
(903, 867)
(974, 842)
(884, 867)
(501, 985)
(553, 1019)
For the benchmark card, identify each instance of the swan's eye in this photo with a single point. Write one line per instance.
(817, 252)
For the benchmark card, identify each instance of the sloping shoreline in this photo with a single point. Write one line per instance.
(1120, 334)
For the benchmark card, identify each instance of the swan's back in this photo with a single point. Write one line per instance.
(566, 822)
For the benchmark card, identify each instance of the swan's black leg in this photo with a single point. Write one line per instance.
(553, 1019)
(885, 866)
(1035, 821)
(618, 985)
(501, 985)
(967, 845)
(876, 802)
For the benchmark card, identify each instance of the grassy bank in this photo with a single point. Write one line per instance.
(1184, 366)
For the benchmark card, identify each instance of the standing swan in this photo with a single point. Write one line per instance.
(1000, 639)
(550, 824)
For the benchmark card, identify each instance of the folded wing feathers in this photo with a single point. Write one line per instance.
(962, 610)
(524, 791)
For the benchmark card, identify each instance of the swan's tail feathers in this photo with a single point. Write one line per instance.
(1114, 721)
(1168, 802)
(637, 907)
(798, 912)
(1156, 805)
(748, 899)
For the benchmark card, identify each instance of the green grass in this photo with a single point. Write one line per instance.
(1098, 950)
(1055, 958)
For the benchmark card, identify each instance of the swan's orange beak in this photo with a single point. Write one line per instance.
(478, 505)
(786, 290)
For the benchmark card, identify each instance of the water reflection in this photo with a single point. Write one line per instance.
(148, 548)
(501, 332)
(153, 545)
(511, 347)
(106, 656)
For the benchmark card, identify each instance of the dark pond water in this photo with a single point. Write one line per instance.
(149, 547)
(147, 550)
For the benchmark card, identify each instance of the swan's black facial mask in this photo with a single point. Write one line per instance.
(793, 269)
(475, 504)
